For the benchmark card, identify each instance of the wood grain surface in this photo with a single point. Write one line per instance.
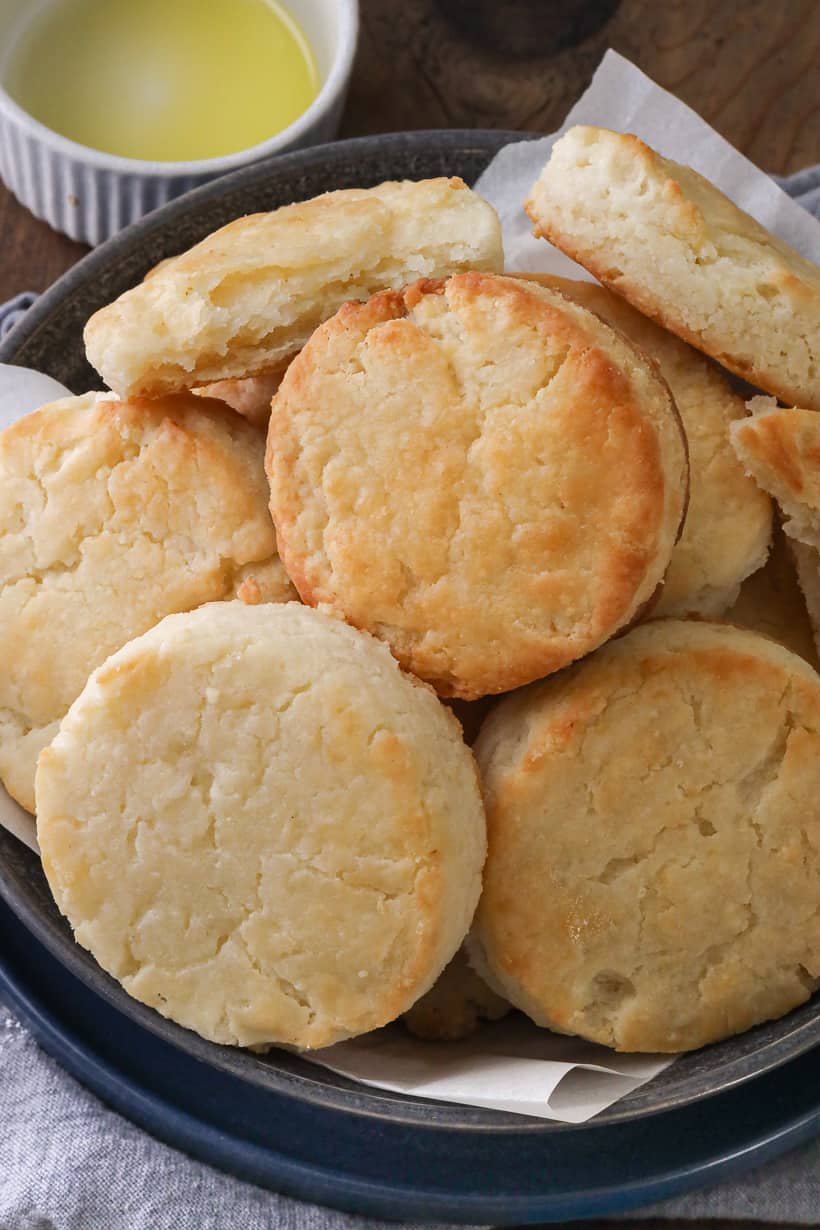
(750, 67)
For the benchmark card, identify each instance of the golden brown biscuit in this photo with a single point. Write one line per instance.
(653, 824)
(481, 473)
(248, 296)
(781, 450)
(455, 1006)
(248, 901)
(681, 252)
(112, 515)
(728, 522)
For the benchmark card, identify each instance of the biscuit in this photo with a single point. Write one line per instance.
(455, 1006)
(480, 472)
(112, 515)
(681, 252)
(653, 822)
(781, 451)
(250, 397)
(729, 520)
(248, 296)
(771, 602)
(246, 900)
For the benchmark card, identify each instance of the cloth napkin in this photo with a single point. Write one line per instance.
(67, 1162)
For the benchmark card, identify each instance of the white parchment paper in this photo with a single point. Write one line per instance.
(510, 1065)
(623, 98)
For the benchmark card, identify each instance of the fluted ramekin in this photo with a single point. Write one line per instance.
(91, 195)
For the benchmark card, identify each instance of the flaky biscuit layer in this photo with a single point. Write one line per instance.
(681, 252)
(247, 297)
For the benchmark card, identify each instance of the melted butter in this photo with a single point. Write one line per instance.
(164, 80)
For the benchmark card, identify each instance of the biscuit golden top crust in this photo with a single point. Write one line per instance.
(112, 515)
(654, 839)
(264, 829)
(729, 519)
(781, 450)
(480, 472)
(248, 296)
(681, 252)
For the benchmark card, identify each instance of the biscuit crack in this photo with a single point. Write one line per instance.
(289, 989)
(753, 787)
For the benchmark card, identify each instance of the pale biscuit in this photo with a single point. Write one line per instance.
(261, 827)
(654, 839)
(729, 519)
(455, 1006)
(112, 515)
(680, 251)
(480, 472)
(248, 296)
(771, 601)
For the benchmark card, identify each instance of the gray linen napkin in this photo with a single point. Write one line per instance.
(67, 1162)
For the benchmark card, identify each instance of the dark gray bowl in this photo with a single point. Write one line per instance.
(50, 339)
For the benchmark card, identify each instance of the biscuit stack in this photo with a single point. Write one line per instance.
(223, 674)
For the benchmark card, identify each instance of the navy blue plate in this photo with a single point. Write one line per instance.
(372, 1165)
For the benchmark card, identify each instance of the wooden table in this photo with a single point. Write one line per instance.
(750, 67)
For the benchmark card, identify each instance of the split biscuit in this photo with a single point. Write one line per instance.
(729, 519)
(261, 827)
(653, 823)
(112, 515)
(480, 472)
(247, 297)
(681, 252)
(781, 450)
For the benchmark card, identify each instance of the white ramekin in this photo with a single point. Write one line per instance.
(90, 195)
